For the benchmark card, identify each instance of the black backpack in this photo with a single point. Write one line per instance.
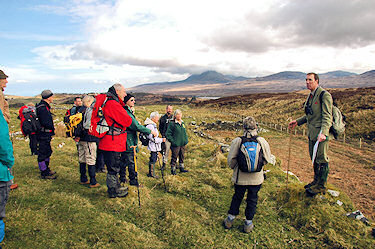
(250, 155)
(31, 122)
(143, 137)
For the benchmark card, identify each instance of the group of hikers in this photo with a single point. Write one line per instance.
(108, 134)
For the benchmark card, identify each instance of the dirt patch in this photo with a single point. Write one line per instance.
(349, 169)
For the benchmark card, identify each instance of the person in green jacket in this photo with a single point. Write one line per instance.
(176, 134)
(131, 140)
(6, 163)
(318, 116)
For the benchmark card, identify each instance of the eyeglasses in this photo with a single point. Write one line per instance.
(133, 100)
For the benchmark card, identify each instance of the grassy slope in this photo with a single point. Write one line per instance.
(64, 214)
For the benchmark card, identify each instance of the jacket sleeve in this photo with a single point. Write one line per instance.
(233, 152)
(302, 120)
(169, 133)
(141, 128)
(327, 103)
(6, 147)
(162, 126)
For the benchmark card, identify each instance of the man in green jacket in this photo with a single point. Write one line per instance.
(176, 134)
(132, 140)
(6, 163)
(318, 116)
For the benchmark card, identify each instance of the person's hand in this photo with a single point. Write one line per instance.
(292, 124)
(322, 137)
(76, 139)
(154, 133)
(164, 139)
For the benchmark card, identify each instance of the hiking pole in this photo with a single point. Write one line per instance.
(162, 167)
(289, 152)
(136, 173)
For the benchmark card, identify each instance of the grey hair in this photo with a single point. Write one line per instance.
(178, 111)
(87, 100)
(118, 86)
(154, 114)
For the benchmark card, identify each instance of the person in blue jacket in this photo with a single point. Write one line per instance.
(6, 163)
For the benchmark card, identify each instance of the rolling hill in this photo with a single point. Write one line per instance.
(212, 83)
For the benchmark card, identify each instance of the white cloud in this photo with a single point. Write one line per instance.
(148, 40)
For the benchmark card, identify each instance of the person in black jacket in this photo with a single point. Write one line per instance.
(87, 147)
(163, 126)
(44, 136)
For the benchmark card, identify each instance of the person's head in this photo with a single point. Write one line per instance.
(3, 80)
(169, 109)
(177, 114)
(154, 116)
(78, 101)
(312, 81)
(120, 91)
(129, 100)
(47, 96)
(87, 100)
(249, 124)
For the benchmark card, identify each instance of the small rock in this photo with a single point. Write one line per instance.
(333, 193)
(193, 123)
(338, 202)
(358, 216)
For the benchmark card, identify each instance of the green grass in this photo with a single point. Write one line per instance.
(64, 214)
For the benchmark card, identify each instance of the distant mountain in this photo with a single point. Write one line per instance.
(286, 75)
(337, 74)
(212, 77)
(212, 83)
(368, 74)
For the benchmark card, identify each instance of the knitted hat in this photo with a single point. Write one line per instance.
(46, 94)
(127, 97)
(249, 123)
(3, 75)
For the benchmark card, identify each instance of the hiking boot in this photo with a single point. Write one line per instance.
(227, 223)
(85, 183)
(133, 182)
(121, 194)
(182, 170)
(310, 184)
(247, 228)
(316, 189)
(173, 171)
(49, 177)
(95, 185)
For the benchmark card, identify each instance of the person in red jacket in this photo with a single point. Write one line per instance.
(113, 144)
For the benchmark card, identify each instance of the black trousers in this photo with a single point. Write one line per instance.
(128, 161)
(113, 161)
(33, 143)
(99, 159)
(251, 200)
(44, 147)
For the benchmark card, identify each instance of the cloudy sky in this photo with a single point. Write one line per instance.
(87, 45)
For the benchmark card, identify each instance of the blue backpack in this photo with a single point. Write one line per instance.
(250, 155)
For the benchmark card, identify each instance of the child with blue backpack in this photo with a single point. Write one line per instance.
(246, 157)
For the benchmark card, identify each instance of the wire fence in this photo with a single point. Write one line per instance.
(360, 142)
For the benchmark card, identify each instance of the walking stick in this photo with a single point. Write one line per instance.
(136, 173)
(162, 167)
(289, 152)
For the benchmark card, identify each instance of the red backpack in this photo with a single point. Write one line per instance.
(98, 124)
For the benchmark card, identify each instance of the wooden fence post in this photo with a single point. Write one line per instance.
(344, 137)
(360, 142)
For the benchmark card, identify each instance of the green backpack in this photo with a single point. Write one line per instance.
(338, 122)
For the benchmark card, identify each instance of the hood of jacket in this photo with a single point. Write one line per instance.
(112, 94)
(149, 121)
